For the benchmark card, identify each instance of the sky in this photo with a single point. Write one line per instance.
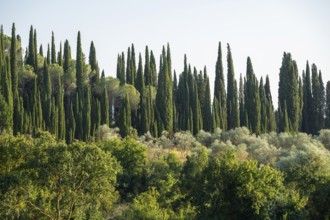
(263, 30)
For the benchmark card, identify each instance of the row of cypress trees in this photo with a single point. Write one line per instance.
(72, 105)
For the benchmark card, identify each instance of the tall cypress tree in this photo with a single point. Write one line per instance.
(36, 70)
(18, 111)
(263, 107)
(288, 91)
(66, 56)
(105, 107)
(232, 102)
(125, 117)
(47, 97)
(207, 115)
(271, 126)
(327, 109)
(322, 101)
(59, 56)
(164, 93)
(87, 114)
(31, 59)
(133, 65)
(142, 120)
(153, 69)
(252, 99)
(121, 68)
(48, 55)
(242, 111)
(128, 67)
(220, 92)
(316, 123)
(60, 110)
(95, 75)
(147, 68)
(53, 52)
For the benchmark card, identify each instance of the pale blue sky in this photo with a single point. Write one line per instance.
(262, 30)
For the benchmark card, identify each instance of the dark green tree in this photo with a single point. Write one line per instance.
(220, 91)
(95, 75)
(153, 69)
(104, 107)
(242, 110)
(121, 68)
(288, 92)
(47, 97)
(87, 114)
(31, 59)
(164, 96)
(232, 101)
(48, 55)
(125, 117)
(66, 56)
(252, 99)
(327, 109)
(271, 122)
(60, 110)
(59, 56)
(316, 119)
(53, 52)
(206, 110)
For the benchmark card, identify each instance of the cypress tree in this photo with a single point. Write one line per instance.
(71, 125)
(128, 67)
(125, 117)
(183, 99)
(215, 116)
(121, 68)
(220, 92)
(164, 93)
(105, 108)
(142, 120)
(53, 52)
(36, 107)
(289, 91)
(207, 115)
(263, 107)
(59, 56)
(31, 59)
(153, 69)
(60, 110)
(41, 51)
(133, 66)
(315, 123)
(327, 109)
(48, 55)
(95, 114)
(47, 97)
(87, 115)
(147, 68)
(66, 56)
(252, 99)
(13, 64)
(79, 66)
(242, 111)
(95, 75)
(232, 102)
(323, 101)
(271, 126)
(36, 70)
(18, 111)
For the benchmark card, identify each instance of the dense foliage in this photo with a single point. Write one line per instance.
(220, 175)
